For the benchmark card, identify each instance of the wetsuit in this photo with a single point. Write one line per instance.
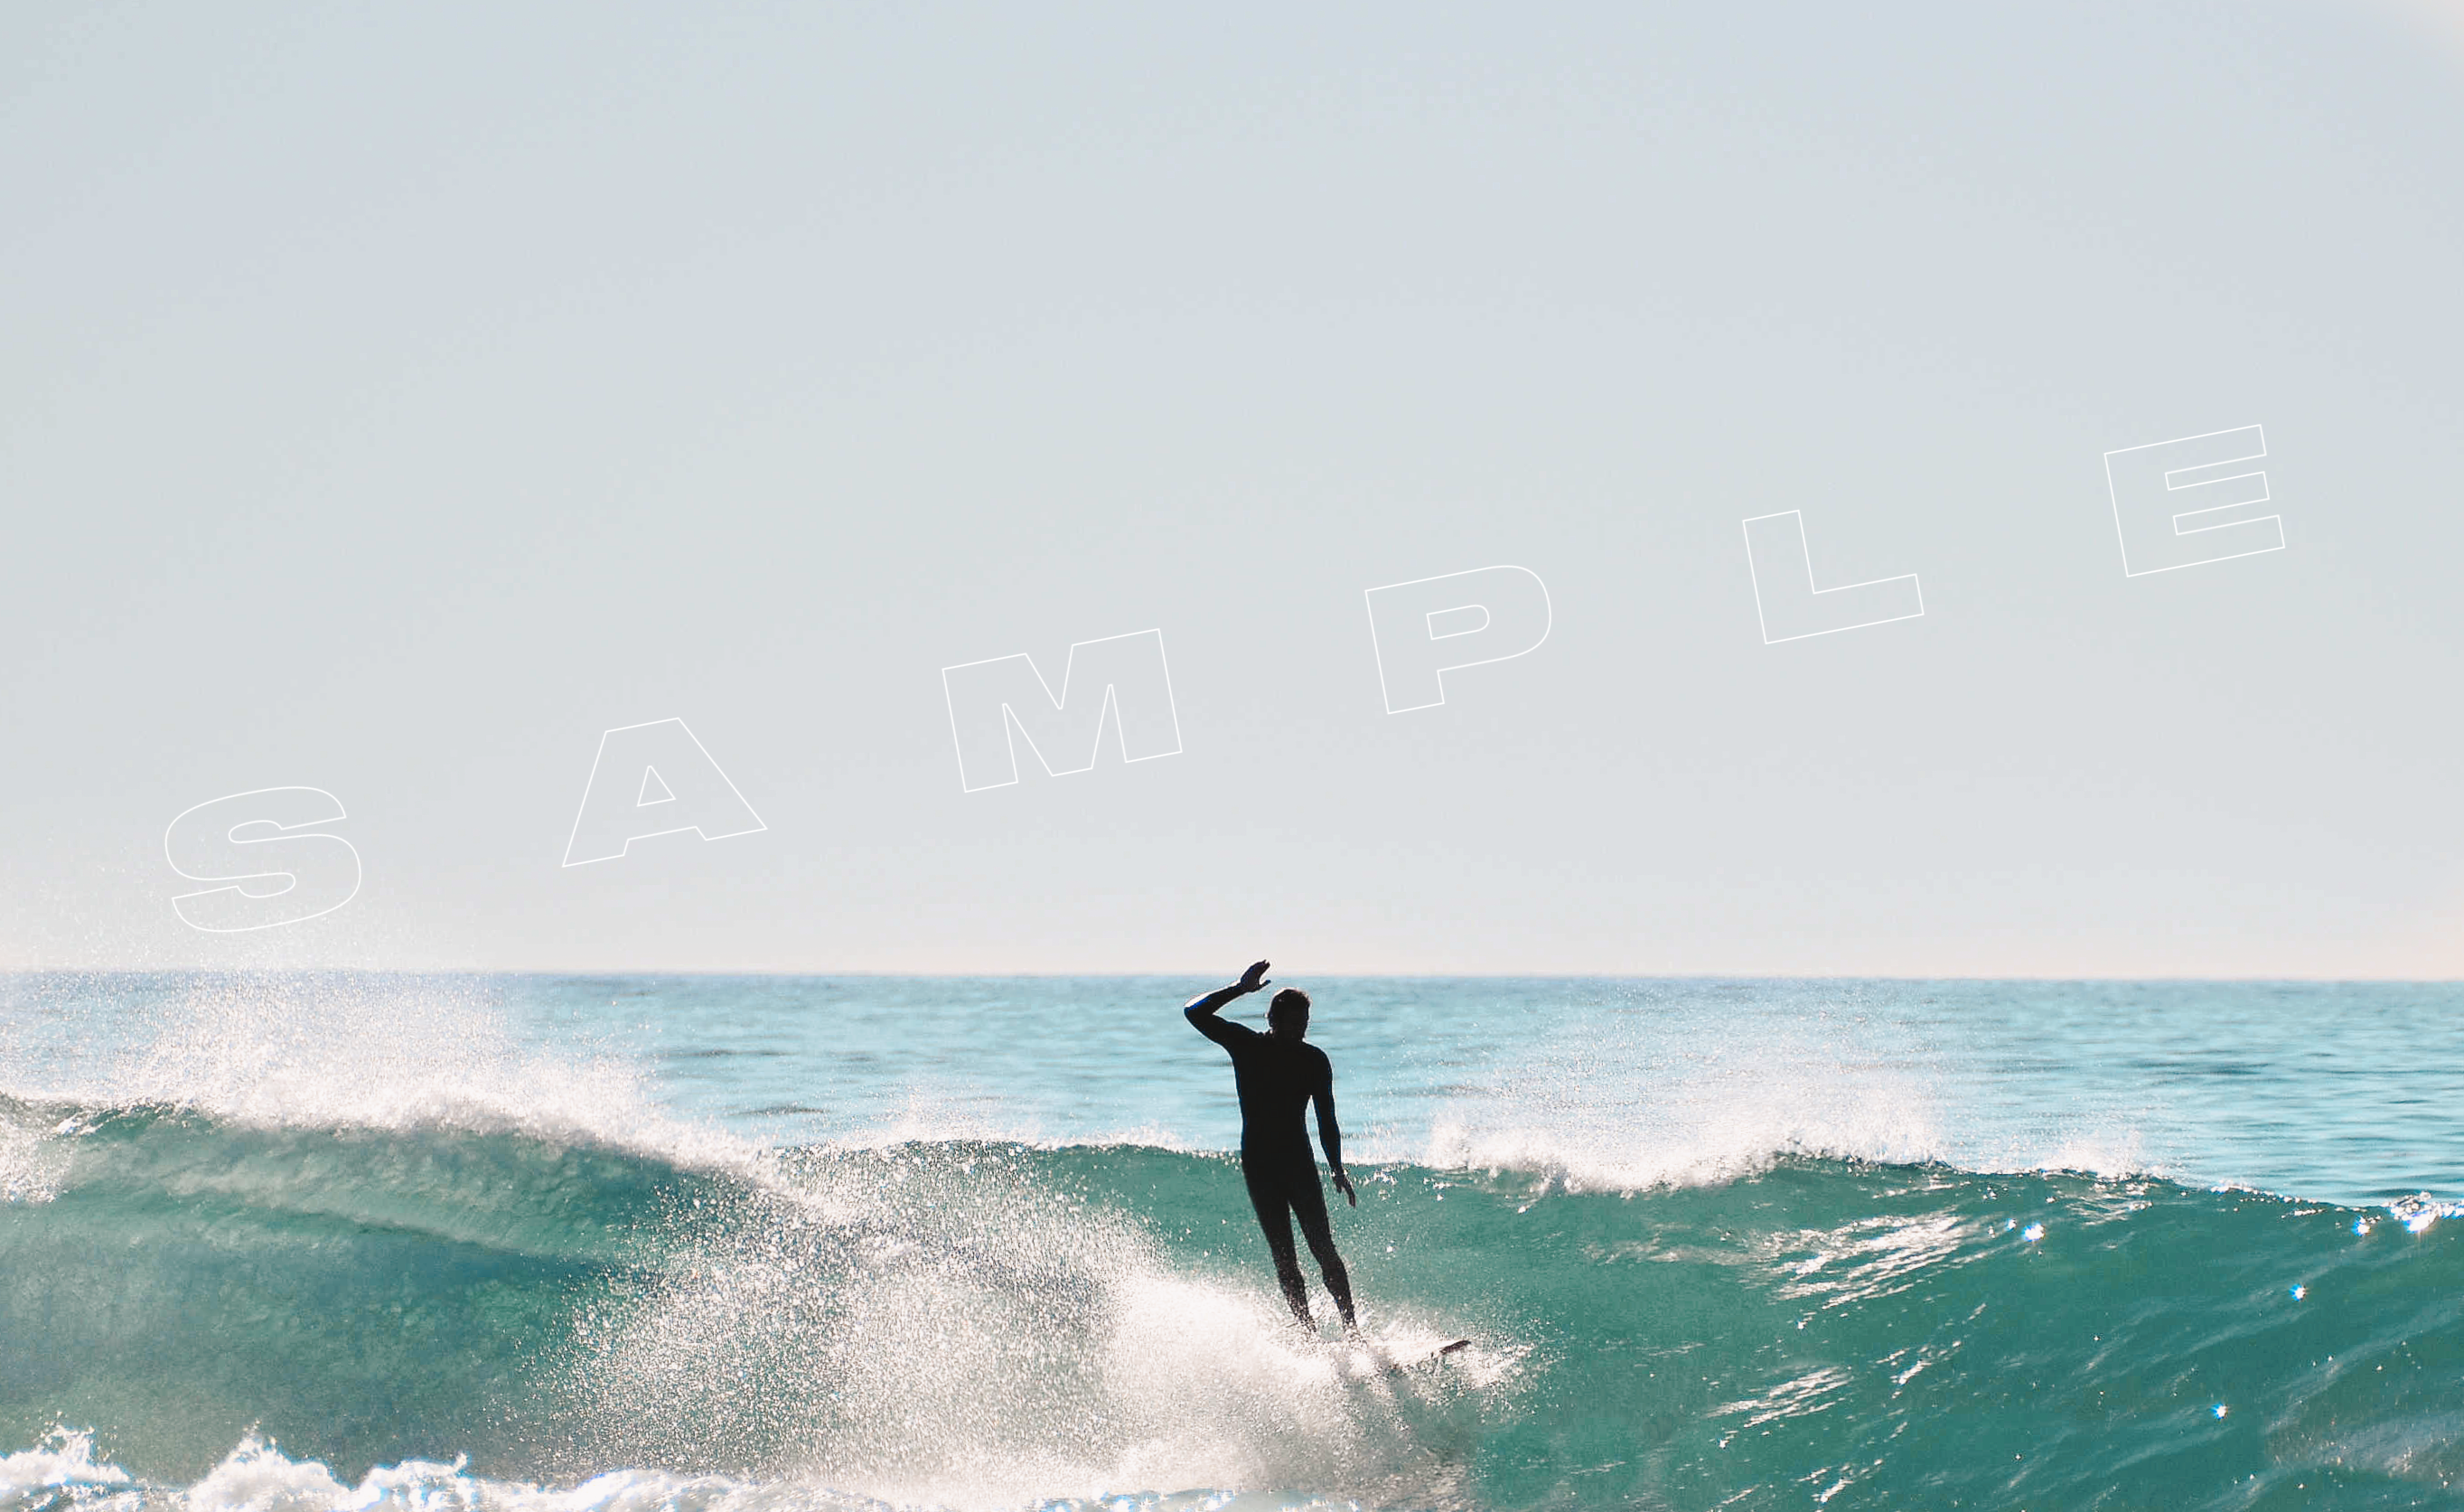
(1277, 1078)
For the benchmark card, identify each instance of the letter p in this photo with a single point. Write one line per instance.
(1424, 629)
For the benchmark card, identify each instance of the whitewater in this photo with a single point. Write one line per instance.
(301, 1242)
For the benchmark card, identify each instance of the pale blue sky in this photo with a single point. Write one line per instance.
(394, 400)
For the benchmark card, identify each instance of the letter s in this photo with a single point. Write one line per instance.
(247, 837)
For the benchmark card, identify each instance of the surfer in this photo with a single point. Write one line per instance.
(1278, 1074)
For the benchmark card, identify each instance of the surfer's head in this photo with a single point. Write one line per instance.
(1287, 1013)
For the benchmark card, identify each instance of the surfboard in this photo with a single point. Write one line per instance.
(1445, 1352)
(1371, 1358)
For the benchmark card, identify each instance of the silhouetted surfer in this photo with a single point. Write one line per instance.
(1278, 1074)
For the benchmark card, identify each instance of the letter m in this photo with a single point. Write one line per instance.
(1121, 676)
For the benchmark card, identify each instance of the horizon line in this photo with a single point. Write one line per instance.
(723, 973)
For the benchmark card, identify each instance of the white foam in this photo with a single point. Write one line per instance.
(353, 1052)
(62, 1463)
(257, 1476)
(30, 1164)
(1691, 1098)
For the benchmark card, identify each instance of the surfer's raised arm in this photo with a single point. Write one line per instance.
(1327, 1135)
(1202, 1010)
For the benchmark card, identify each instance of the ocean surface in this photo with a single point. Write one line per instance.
(566, 1244)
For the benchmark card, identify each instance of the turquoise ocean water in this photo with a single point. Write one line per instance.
(304, 1242)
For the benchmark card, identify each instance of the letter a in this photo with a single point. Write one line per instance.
(650, 780)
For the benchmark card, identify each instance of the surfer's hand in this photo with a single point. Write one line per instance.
(1343, 1184)
(1254, 978)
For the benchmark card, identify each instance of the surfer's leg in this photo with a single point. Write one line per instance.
(1267, 1193)
(1308, 1205)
